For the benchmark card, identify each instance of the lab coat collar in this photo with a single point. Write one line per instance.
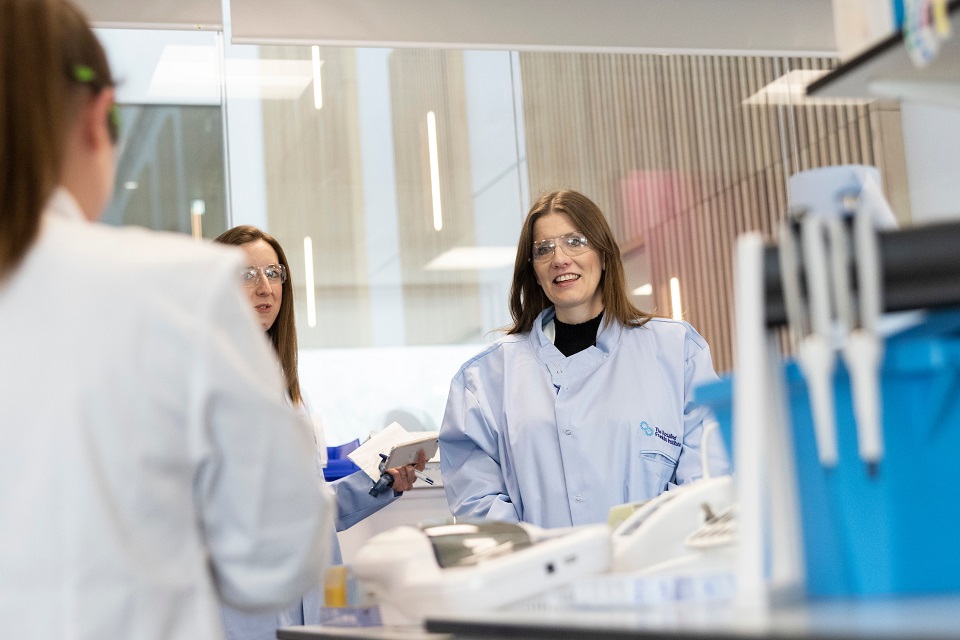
(608, 339)
(64, 205)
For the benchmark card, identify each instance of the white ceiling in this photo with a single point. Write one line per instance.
(760, 27)
(803, 27)
(144, 14)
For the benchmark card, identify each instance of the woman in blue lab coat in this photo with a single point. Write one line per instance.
(269, 288)
(586, 403)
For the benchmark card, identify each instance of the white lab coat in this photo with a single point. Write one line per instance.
(148, 460)
(531, 435)
(353, 504)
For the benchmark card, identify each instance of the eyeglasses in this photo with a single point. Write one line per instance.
(86, 75)
(274, 273)
(573, 244)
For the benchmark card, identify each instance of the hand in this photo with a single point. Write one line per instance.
(405, 476)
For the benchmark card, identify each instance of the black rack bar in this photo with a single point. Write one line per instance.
(920, 267)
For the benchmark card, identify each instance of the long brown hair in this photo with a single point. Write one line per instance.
(283, 333)
(44, 43)
(527, 298)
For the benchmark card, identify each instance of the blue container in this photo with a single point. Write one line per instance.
(896, 531)
(338, 464)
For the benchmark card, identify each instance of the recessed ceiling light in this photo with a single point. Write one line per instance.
(473, 258)
(791, 89)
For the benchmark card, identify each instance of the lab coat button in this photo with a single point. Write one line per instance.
(579, 498)
(568, 432)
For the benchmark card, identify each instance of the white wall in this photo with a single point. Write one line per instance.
(931, 140)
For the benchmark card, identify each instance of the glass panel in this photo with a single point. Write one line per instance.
(395, 174)
(401, 177)
(170, 162)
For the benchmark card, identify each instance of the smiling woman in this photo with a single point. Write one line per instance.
(587, 402)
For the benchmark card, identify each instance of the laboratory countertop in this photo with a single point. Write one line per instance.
(315, 632)
(922, 618)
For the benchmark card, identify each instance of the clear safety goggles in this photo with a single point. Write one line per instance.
(274, 273)
(573, 244)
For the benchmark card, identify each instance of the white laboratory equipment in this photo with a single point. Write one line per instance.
(684, 530)
(471, 567)
(842, 458)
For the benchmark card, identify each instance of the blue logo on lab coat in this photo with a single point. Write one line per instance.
(647, 429)
(669, 438)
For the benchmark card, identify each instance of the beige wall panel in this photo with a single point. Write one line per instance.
(698, 168)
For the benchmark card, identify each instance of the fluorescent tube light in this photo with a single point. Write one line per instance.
(308, 279)
(317, 89)
(434, 169)
(675, 298)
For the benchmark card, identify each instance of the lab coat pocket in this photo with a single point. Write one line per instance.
(658, 470)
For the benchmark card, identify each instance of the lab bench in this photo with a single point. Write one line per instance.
(920, 618)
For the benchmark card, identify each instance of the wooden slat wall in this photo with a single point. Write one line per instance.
(315, 188)
(664, 145)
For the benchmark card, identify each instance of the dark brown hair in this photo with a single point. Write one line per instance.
(45, 42)
(527, 298)
(283, 333)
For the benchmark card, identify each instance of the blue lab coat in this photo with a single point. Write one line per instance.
(531, 435)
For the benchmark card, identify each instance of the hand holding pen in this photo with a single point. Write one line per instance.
(400, 478)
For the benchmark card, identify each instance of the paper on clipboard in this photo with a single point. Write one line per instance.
(367, 455)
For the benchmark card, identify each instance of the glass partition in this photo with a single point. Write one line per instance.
(397, 181)
(170, 162)
(393, 181)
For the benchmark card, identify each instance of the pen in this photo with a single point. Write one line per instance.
(422, 476)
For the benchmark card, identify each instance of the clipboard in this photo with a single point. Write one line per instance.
(394, 437)
(406, 452)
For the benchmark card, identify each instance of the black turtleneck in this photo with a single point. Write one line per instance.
(574, 338)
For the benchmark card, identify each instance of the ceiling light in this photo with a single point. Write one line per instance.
(434, 169)
(791, 89)
(675, 298)
(643, 290)
(189, 72)
(317, 88)
(473, 258)
(311, 291)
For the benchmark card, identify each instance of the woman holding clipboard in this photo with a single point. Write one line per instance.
(267, 283)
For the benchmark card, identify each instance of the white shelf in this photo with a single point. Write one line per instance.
(886, 71)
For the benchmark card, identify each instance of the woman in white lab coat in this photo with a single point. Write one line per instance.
(269, 287)
(151, 467)
(587, 402)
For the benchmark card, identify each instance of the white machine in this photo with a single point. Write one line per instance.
(679, 546)
(690, 527)
(472, 567)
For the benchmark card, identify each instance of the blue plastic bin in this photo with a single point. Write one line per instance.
(894, 532)
(338, 464)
